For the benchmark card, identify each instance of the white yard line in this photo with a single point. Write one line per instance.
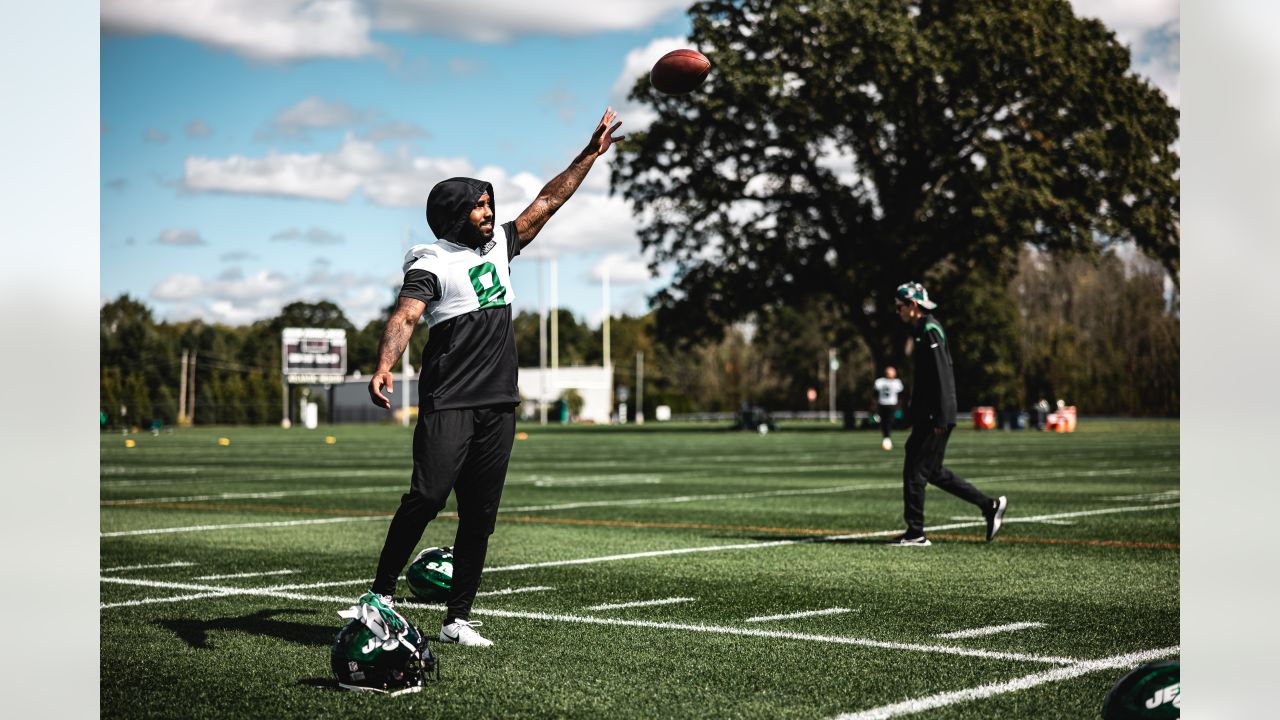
(244, 575)
(235, 526)
(990, 630)
(640, 603)
(225, 592)
(212, 590)
(551, 481)
(755, 545)
(167, 599)
(258, 495)
(122, 568)
(908, 707)
(797, 615)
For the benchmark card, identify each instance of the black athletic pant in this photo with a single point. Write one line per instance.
(461, 450)
(923, 466)
(886, 418)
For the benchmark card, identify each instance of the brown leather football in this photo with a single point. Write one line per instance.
(679, 72)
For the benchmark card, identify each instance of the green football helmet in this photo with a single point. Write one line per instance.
(430, 576)
(363, 659)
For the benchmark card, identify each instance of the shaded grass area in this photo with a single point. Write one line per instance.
(1102, 584)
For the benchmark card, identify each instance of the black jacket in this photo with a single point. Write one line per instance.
(933, 392)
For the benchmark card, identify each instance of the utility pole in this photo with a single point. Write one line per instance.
(191, 387)
(833, 364)
(542, 348)
(182, 390)
(639, 387)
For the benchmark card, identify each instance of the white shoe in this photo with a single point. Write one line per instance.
(887, 444)
(463, 633)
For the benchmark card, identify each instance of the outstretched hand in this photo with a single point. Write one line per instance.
(602, 138)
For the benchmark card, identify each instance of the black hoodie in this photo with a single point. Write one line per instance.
(449, 205)
(470, 359)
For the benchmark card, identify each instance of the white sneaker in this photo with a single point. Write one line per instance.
(887, 444)
(463, 633)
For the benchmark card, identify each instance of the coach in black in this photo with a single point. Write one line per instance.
(467, 390)
(933, 417)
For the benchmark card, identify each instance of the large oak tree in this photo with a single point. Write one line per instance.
(841, 147)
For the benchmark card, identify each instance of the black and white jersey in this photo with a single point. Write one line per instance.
(470, 357)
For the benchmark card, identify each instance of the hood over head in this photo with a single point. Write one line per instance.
(448, 206)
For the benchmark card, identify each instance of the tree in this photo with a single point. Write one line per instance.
(841, 147)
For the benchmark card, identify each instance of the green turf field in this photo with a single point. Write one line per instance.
(223, 568)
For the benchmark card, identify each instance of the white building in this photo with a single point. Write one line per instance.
(592, 383)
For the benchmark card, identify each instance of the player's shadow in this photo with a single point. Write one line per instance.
(263, 622)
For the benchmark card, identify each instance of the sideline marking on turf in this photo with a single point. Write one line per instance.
(122, 568)
(256, 495)
(245, 575)
(233, 526)
(908, 707)
(990, 630)
(225, 592)
(802, 614)
(766, 544)
(213, 590)
(640, 603)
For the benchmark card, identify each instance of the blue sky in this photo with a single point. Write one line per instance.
(255, 152)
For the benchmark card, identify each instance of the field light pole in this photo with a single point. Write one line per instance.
(182, 390)
(555, 327)
(542, 348)
(833, 365)
(639, 387)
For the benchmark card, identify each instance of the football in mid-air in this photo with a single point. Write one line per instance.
(679, 72)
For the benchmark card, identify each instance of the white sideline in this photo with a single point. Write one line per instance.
(990, 630)
(244, 575)
(233, 526)
(908, 707)
(122, 568)
(797, 615)
(640, 603)
(257, 495)
(586, 619)
(210, 591)
(607, 503)
(755, 545)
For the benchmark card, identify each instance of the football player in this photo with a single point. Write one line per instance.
(933, 417)
(467, 388)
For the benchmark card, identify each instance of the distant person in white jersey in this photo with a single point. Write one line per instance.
(887, 389)
(467, 389)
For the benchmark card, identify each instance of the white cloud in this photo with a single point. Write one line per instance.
(272, 30)
(395, 131)
(180, 237)
(178, 286)
(313, 236)
(503, 20)
(232, 297)
(312, 113)
(624, 269)
(1151, 30)
(592, 219)
(198, 129)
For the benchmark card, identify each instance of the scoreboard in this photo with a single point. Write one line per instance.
(314, 355)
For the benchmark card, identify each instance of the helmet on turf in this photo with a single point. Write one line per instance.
(365, 656)
(431, 574)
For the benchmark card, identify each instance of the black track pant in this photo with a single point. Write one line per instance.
(886, 418)
(465, 451)
(923, 466)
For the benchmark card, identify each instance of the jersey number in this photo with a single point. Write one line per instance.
(494, 295)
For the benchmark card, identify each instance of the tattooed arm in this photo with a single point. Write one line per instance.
(395, 338)
(556, 192)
